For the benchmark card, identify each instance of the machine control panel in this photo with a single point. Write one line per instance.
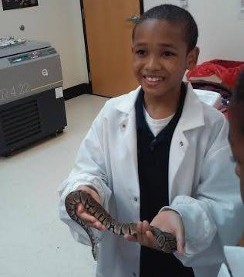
(31, 55)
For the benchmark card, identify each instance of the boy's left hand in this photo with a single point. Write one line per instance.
(167, 221)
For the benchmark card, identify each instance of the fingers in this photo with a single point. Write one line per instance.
(90, 220)
(137, 237)
(180, 242)
(81, 212)
(151, 240)
(144, 235)
(141, 229)
(170, 221)
(130, 238)
(98, 225)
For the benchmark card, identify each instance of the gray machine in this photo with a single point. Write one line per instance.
(31, 94)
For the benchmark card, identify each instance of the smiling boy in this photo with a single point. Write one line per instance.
(159, 156)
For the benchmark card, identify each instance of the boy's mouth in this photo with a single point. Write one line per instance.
(153, 78)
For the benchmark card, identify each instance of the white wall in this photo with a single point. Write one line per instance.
(59, 22)
(56, 21)
(220, 29)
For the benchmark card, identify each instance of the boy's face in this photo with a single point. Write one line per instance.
(160, 57)
(236, 137)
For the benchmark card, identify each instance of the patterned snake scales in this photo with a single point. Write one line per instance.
(165, 241)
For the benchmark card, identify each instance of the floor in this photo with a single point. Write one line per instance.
(33, 241)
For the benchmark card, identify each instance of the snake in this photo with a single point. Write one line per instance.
(166, 242)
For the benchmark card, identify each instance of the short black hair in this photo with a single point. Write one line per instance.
(173, 14)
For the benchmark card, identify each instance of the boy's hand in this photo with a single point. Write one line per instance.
(144, 235)
(84, 215)
(167, 221)
(171, 222)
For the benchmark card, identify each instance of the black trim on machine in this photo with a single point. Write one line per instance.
(75, 91)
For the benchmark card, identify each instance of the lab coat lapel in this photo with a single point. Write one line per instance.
(192, 117)
(178, 149)
(127, 127)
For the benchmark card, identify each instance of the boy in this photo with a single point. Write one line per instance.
(235, 255)
(158, 155)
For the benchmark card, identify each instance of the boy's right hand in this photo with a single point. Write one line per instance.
(84, 215)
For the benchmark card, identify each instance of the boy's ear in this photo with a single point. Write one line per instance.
(192, 58)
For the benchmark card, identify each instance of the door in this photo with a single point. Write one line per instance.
(108, 30)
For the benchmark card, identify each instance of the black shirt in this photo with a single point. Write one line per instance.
(153, 160)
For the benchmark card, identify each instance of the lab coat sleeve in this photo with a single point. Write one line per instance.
(212, 215)
(235, 258)
(89, 169)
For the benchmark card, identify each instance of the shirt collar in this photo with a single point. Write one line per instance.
(140, 117)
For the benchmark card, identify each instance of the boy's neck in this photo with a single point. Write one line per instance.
(159, 108)
(160, 111)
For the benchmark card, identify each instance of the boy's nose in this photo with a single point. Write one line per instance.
(153, 63)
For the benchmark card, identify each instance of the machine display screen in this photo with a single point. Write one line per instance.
(31, 55)
(19, 59)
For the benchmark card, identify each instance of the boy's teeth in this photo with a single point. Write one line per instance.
(153, 79)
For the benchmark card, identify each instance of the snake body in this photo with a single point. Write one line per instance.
(165, 241)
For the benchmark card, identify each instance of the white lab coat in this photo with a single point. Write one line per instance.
(235, 260)
(202, 184)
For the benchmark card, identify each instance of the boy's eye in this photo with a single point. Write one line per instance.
(140, 52)
(168, 53)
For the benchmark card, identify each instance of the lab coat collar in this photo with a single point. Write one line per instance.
(192, 114)
(128, 102)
